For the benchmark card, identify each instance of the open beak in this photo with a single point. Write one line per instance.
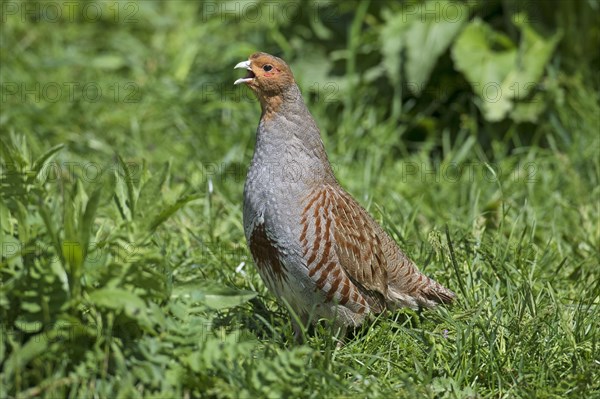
(249, 77)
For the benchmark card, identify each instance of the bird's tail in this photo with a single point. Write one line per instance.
(434, 293)
(427, 294)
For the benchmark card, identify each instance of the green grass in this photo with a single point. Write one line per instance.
(120, 213)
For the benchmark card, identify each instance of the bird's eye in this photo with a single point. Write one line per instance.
(267, 68)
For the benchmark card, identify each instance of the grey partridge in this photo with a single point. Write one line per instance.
(313, 244)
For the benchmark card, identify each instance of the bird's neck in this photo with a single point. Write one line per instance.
(288, 134)
(288, 101)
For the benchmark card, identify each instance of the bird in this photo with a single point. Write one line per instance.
(314, 246)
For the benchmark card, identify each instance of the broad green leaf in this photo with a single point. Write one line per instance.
(528, 110)
(121, 300)
(70, 213)
(108, 61)
(116, 298)
(212, 295)
(73, 253)
(49, 224)
(11, 249)
(148, 205)
(428, 37)
(534, 53)
(13, 151)
(20, 357)
(485, 68)
(170, 210)
(39, 163)
(128, 177)
(120, 195)
(87, 220)
(498, 72)
(392, 44)
(416, 37)
(24, 323)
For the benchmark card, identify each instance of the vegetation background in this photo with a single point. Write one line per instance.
(468, 129)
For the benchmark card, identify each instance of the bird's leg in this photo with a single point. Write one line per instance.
(299, 326)
(340, 336)
(298, 334)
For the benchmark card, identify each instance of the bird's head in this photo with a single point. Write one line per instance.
(268, 76)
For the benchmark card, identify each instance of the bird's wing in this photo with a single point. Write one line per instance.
(345, 239)
(348, 242)
(369, 255)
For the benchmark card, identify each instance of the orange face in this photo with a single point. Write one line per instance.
(267, 74)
